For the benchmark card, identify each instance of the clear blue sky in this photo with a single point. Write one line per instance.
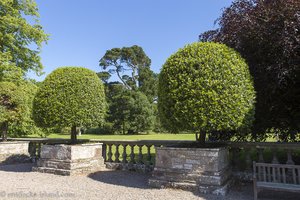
(81, 31)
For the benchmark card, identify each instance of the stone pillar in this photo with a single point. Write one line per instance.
(14, 152)
(203, 169)
(70, 159)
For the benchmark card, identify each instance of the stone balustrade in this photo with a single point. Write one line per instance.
(140, 154)
(244, 153)
(132, 155)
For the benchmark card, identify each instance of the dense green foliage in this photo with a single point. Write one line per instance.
(206, 87)
(16, 102)
(147, 82)
(11, 105)
(130, 112)
(25, 125)
(266, 34)
(70, 97)
(18, 37)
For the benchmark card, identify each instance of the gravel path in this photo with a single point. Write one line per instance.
(18, 182)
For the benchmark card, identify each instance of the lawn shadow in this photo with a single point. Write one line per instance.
(122, 178)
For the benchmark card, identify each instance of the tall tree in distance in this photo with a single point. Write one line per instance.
(267, 34)
(126, 59)
(131, 101)
(17, 36)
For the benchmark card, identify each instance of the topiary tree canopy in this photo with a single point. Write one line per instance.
(70, 96)
(206, 87)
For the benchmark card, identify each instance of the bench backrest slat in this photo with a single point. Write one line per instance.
(274, 174)
(294, 176)
(269, 173)
(264, 172)
(298, 170)
(283, 175)
(277, 173)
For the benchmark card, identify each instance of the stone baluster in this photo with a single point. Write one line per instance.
(117, 154)
(104, 152)
(289, 157)
(260, 155)
(235, 158)
(248, 159)
(275, 159)
(39, 145)
(140, 154)
(149, 154)
(132, 154)
(32, 151)
(109, 153)
(260, 152)
(289, 162)
(124, 155)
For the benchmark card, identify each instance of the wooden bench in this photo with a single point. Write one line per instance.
(278, 177)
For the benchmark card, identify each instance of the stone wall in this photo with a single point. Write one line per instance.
(14, 152)
(203, 169)
(70, 159)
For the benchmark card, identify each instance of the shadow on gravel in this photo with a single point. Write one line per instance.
(17, 167)
(122, 178)
(240, 191)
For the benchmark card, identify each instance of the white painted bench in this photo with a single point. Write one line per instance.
(277, 177)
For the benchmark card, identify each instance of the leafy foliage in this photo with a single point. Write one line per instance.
(147, 82)
(25, 125)
(17, 35)
(10, 72)
(11, 99)
(70, 96)
(206, 87)
(266, 34)
(11, 105)
(104, 76)
(130, 112)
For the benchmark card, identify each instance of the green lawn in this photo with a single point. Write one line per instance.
(127, 137)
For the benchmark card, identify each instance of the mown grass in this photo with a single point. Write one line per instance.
(162, 136)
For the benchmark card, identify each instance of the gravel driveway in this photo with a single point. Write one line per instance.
(18, 182)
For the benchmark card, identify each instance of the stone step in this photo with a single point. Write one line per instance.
(189, 186)
(52, 171)
(57, 164)
(203, 178)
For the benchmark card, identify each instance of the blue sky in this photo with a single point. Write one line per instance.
(81, 31)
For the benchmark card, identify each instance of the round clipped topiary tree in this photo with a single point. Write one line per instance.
(206, 87)
(70, 97)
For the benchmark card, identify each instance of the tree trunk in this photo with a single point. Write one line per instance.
(78, 129)
(123, 127)
(126, 85)
(73, 135)
(4, 129)
(200, 137)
